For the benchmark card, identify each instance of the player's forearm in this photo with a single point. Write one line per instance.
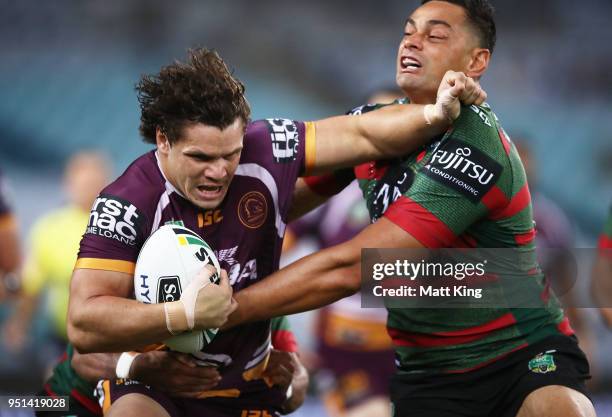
(115, 324)
(388, 132)
(95, 366)
(309, 283)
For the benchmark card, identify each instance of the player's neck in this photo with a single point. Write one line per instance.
(424, 97)
(162, 164)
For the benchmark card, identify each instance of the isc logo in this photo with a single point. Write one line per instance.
(168, 289)
(255, 413)
(209, 217)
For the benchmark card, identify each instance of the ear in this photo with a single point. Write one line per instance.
(162, 142)
(479, 62)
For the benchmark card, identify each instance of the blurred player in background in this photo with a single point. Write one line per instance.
(354, 355)
(54, 243)
(500, 361)
(601, 282)
(77, 375)
(10, 250)
(230, 182)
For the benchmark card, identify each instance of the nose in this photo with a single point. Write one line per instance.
(413, 41)
(216, 170)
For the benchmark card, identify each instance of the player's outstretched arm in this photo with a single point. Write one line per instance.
(102, 317)
(392, 130)
(318, 279)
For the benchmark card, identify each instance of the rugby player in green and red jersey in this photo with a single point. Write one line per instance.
(467, 189)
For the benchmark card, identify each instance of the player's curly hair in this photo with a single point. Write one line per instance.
(202, 90)
(480, 14)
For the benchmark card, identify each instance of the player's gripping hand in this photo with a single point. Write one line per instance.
(202, 305)
(455, 88)
(280, 369)
(174, 373)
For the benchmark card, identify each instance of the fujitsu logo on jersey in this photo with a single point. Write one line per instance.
(115, 218)
(468, 170)
(459, 160)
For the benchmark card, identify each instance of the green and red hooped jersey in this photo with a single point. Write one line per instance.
(466, 189)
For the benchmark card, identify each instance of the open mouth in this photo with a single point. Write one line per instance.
(209, 190)
(410, 63)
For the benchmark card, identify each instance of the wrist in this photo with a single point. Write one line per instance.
(124, 365)
(435, 116)
(176, 318)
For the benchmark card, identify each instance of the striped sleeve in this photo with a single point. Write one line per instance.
(282, 336)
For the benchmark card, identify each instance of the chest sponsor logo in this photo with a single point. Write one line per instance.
(463, 168)
(168, 289)
(396, 181)
(209, 217)
(285, 139)
(115, 218)
(253, 209)
(236, 272)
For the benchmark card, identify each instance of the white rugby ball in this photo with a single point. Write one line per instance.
(169, 259)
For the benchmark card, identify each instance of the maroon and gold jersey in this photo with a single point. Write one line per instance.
(245, 231)
(467, 189)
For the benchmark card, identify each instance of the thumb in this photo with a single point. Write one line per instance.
(224, 281)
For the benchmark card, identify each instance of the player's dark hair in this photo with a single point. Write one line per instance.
(480, 14)
(202, 90)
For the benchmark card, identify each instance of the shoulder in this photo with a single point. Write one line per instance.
(366, 108)
(278, 137)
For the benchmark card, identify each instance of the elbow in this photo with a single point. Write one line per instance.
(79, 339)
(78, 336)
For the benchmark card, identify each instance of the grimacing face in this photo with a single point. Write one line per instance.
(202, 162)
(437, 38)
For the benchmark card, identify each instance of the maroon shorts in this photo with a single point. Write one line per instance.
(265, 403)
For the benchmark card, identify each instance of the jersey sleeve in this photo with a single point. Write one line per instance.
(460, 180)
(278, 151)
(117, 228)
(282, 336)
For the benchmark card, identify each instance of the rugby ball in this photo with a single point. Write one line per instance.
(169, 259)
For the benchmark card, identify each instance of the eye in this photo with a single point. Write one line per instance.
(437, 36)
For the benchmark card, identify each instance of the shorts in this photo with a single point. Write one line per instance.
(350, 378)
(261, 404)
(498, 389)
